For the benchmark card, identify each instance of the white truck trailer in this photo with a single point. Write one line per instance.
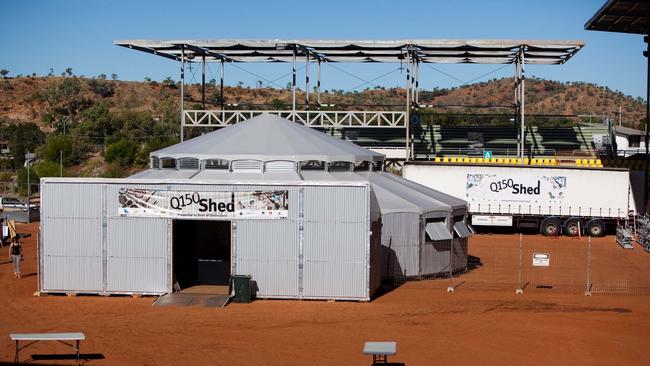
(554, 199)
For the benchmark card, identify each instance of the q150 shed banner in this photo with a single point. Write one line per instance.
(187, 204)
(513, 188)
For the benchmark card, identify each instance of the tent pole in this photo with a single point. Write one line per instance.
(222, 97)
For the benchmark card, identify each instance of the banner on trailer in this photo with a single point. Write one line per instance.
(218, 205)
(514, 188)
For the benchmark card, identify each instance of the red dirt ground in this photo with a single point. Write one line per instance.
(481, 325)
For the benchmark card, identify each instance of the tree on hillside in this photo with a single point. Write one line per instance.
(101, 87)
(113, 76)
(23, 137)
(4, 72)
(122, 152)
(68, 71)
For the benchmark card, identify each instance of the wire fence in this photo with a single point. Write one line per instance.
(534, 263)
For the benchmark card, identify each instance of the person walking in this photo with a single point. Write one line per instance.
(16, 253)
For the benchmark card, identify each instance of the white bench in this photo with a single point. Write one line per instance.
(35, 337)
(380, 351)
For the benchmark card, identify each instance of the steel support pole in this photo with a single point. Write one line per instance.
(29, 192)
(293, 84)
(516, 114)
(223, 99)
(407, 121)
(307, 81)
(318, 86)
(647, 130)
(523, 105)
(203, 83)
(182, 92)
(417, 83)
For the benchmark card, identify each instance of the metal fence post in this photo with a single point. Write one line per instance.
(588, 284)
(520, 289)
(450, 288)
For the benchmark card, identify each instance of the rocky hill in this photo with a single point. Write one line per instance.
(102, 127)
(43, 99)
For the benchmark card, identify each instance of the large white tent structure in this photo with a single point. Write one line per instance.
(419, 224)
(306, 215)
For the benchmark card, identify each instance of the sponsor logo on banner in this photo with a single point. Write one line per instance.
(506, 188)
(185, 204)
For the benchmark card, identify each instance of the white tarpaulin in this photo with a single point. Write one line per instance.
(515, 188)
(184, 204)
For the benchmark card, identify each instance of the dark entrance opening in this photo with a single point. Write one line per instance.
(201, 253)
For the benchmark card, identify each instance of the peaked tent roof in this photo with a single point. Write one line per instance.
(268, 137)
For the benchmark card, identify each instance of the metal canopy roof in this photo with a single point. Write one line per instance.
(389, 51)
(625, 16)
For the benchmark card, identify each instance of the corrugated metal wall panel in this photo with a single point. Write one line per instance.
(336, 243)
(75, 274)
(72, 256)
(137, 252)
(435, 257)
(459, 255)
(72, 200)
(400, 239)
(268, 251)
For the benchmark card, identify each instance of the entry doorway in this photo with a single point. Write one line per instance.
(201, 252)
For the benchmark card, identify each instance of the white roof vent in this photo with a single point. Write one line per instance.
(246, 166)
(280, 166)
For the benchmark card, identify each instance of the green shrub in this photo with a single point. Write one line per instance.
(122, 152)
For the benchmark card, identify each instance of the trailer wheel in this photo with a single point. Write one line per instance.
(572, 227)
(551, 227)
(596, 228)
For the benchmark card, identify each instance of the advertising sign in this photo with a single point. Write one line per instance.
(515, 188)
(218, 205)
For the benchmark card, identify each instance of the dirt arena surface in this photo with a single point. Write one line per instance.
(478, 324)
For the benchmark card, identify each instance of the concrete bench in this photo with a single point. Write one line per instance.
(380, 351)
(36, 337)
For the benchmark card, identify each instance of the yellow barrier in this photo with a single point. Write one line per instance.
(437, 159)
(445, 159)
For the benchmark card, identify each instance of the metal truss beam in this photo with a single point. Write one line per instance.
(337, 119)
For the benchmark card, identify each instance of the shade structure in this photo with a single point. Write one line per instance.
(472, 51)
(268, 138)
(625, 16)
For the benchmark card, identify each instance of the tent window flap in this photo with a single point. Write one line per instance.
(462, 229)
(437, 231)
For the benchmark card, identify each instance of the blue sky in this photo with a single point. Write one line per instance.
(39, 35)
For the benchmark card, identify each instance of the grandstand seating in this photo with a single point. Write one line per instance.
(430, 141)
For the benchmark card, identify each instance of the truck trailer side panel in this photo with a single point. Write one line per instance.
(533, 191)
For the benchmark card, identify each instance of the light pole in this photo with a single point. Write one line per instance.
(28, 162)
